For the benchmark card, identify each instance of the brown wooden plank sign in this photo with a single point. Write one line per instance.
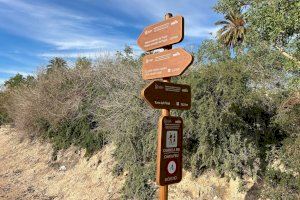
(164, 95)
(166, 64)
(162, 34)
(169, 151)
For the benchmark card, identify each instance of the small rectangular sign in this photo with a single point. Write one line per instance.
(162, 34)
(169, 151)
(163, 95)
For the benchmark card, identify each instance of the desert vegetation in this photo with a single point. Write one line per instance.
(244, 122)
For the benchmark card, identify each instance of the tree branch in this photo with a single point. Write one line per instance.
(284, 53)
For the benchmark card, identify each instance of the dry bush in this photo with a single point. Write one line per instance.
(131, 123)
(90, 106)
(121, 84)
(57, 107)
(54, 97)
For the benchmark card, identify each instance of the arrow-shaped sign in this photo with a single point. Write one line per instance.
(162, 34)
(166, 64)
(164, 95)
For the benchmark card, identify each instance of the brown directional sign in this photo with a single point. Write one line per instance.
(163, 95)
(166, 64)
(169, 151)
(161, 34)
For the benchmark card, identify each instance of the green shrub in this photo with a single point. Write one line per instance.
(282, 181)
(281, 185)
(221, 128)
(78, 132)
(138, 185)
(4, 100)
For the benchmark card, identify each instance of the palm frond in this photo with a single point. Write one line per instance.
(221, 22)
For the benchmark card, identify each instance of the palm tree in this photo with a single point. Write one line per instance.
(56, 63)
(233, 31)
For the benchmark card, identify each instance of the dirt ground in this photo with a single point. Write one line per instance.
(27, 171)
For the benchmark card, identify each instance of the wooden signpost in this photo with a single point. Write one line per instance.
(162, 95)
(166, 64)
(165, 95)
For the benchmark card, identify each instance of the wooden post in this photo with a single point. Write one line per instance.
(163, 190)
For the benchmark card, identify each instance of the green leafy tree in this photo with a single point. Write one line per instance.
(126, 56)
(272, 55)
(278, 22)
(273, 21)
(211, 51)
(15, 81)
(18, 80)
(224, 6)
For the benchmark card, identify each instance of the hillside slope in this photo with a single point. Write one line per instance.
(27, 171)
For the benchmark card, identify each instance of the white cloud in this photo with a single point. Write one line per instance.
(60, 27)
(14, 72)
(73, 34)
(89, 54)
(199, 21)
(79, 43)
(94, 54)
(67, 30)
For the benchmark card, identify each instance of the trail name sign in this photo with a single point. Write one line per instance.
(166, 64)
(169, 151)
(164, 95)
(161, 34)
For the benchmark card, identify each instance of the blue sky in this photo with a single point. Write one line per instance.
(34, 31)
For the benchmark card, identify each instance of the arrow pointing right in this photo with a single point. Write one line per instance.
(164, 33)
(166, 64)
